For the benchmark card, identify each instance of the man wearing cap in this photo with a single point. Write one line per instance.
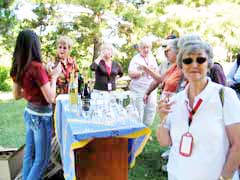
(162, 56)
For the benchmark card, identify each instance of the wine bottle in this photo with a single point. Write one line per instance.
(73, 90)
(86, 95)
(80, 84)
(86, 91)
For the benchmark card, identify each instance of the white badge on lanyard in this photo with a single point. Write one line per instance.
(109, 86)
(186, 144)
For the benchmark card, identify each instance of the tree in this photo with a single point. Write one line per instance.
(6, 3)
(7, 24)
(133, 20)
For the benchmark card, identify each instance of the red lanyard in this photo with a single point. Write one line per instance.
(109, 69)
(194, 110)
(144, 58)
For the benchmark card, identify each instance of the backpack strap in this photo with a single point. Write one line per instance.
(238, 59)
(221, 95)
(238, 62)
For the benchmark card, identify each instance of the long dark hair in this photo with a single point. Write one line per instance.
(27, 49)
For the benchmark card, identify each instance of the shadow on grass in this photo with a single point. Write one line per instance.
(148, 165)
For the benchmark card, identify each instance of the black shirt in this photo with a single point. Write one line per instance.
(101, 76)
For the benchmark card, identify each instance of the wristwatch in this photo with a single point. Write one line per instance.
(224, 178)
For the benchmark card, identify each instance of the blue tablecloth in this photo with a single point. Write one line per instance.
(74, 132)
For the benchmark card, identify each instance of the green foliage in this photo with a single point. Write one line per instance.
(131, 14)
(12, 133)
(97, 6)
(5, 3)
(217, 21)
(149, 164)
(127, 53)
(7, 27)
(4, 86)
(3, 73)
(43, 13)
(45, 17)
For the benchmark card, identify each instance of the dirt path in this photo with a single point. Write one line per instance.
(6, 95)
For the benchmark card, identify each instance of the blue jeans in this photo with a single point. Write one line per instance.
(38, 145)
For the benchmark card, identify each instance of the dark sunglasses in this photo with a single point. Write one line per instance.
(199, 60)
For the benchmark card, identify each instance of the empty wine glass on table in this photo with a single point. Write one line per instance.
(132, 109)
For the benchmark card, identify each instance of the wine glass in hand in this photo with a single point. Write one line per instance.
(165, 104)
(166, 96)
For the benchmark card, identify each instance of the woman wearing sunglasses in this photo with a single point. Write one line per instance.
(204, 134)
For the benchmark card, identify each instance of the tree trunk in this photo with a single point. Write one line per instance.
(96, 47)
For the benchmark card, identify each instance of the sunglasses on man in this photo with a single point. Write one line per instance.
(199, 60)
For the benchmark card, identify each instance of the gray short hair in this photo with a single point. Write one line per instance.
(173, 43)
(107, 46)
(188, 37)
(193, 46)
(145, 41)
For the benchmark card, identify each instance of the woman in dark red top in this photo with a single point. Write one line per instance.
(31, 81)
(106, 70)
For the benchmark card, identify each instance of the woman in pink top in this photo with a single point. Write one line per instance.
(106, 70)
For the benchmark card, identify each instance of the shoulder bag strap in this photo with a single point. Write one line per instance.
(221, 95)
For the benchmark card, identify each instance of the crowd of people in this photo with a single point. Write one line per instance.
(200, 122)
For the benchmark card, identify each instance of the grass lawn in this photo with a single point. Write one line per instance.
(12, 132)
(148, 164)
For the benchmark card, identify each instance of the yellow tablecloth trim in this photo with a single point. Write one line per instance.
(81, 143)
(145, 131)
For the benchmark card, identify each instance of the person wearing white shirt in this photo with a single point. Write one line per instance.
(237, 75)
(140, 81)
(203, 132)
(233, 77)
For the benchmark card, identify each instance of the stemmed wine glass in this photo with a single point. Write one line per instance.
(166, 96)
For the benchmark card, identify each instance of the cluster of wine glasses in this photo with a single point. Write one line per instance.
(109, 107)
